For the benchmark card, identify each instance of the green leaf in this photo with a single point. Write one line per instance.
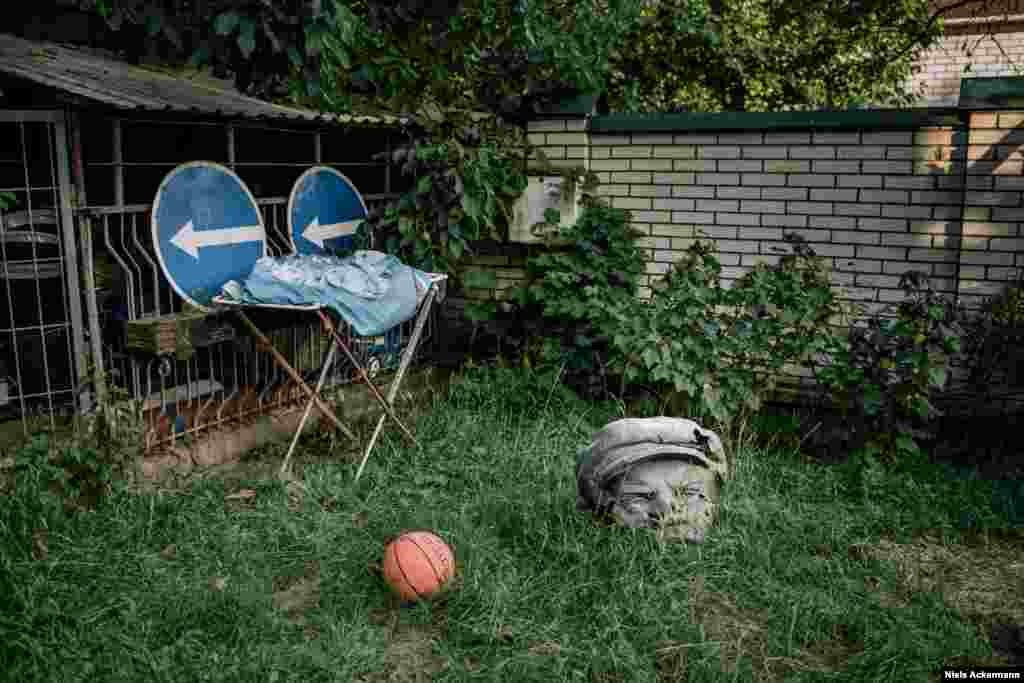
(457, 247)
(480, 279)
(479, 312)
(152, 24)
(471, 206)
(293, 56)
(200, 56)
(937, 377)
(225, 23)
(872, 400)
(405, 225)
(424, 184)
(906, 443)
(247, 37)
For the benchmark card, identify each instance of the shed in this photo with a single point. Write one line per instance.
(86, 140)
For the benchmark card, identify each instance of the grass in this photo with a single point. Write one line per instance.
(814, 572)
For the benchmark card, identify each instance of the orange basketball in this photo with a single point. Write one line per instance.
(418, 564)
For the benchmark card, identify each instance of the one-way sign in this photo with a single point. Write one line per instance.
(324, 211)
(207, 229)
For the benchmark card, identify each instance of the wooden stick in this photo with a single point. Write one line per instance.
(283, 362)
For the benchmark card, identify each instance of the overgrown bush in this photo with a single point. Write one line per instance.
(994, 343)
(467, 172)
(723, 348)
(885, 377)
(573, 294)
(719, 348)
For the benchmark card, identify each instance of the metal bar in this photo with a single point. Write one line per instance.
(135, 268)
(130, 283)
(30, 116)
(407, 355)
(152, 266)
(318, 151)
(141, 208)
(88, 270)
(965, 119)
(275, 236)
(10, 313)
(305, 414)
(230, 131)
(71, 254)
(389, 146)
(385, 404)
(118, 163)
(38, 290)
(284, 365)
(49, 188)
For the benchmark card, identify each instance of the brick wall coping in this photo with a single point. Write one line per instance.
(864, 118)
(991, 93)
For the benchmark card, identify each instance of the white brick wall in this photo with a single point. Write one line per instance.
(873, 203)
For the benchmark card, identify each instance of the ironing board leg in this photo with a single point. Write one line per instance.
(407, 355)
(283, 362)
(366, 378)
(309, 409)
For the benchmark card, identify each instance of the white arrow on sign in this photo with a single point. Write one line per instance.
(190, 240)
(317, 233)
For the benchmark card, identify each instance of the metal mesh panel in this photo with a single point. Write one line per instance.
(36, 359)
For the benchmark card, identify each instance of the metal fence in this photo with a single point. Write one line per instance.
(222, 375)
(40, 319)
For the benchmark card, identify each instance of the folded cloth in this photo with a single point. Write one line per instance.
(370, 290)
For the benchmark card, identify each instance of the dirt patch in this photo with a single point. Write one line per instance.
(736, 634)
(295, 595)
(408, 657)
(982, 579)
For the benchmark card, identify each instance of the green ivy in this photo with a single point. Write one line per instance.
(467, 172)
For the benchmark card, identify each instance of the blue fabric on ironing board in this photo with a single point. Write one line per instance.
(370, 290)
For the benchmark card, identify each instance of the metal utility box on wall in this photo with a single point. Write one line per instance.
(542, 193)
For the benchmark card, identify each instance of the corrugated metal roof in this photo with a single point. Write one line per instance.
(111, 82)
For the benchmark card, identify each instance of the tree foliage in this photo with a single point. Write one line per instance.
(507, 56)
(511, 56)
(445, 61)
(768, 55)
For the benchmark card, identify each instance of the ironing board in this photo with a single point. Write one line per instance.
(208, 231)
(435, 288)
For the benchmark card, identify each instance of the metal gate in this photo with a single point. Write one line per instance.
(41, 333)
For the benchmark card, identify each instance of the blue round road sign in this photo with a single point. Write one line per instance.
(207, 230)
(324, 211)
